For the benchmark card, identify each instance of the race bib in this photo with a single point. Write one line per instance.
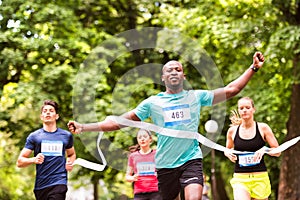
(52, 148)
(146, 168)
(247, 160)
(176, 115)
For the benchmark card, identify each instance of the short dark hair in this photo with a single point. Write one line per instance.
(51, 103)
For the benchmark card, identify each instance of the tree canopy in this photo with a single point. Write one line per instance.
(100, 58)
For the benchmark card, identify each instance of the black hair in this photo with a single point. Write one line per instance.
(51, 103)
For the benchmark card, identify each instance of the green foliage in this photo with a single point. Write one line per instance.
(10, 175)
(68, 51)
(231, 32)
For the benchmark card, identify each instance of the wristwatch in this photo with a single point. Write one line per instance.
(255, 69)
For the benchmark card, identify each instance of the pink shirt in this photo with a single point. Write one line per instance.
(144, 166)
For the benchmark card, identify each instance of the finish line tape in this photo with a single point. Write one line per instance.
(171, 133)
(92, 165)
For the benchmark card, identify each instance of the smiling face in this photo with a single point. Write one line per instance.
(173, 76)
(48, 114)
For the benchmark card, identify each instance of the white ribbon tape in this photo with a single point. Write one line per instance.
(171, 133)
(283, 146)
(194, 135)
(92, 165)
(88, 164)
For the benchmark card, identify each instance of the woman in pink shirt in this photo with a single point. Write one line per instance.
(141, 168)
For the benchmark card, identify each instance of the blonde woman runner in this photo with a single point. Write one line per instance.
(250, 179)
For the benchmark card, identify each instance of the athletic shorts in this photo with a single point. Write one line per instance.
(56, 192)
(172, 180)
(147, 196)
(258, 185)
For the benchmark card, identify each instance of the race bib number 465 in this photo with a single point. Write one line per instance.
(176, 115)
(52, 148)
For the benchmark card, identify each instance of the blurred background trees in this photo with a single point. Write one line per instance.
(45, 44)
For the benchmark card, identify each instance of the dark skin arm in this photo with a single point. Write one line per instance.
(221, 94)
(233, 88)
(106, 125)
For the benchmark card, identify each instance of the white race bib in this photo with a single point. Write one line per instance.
(146, 168)
(175, 115)
(52, 148)
(247, 160)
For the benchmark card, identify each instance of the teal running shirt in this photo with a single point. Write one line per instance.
(180, 112)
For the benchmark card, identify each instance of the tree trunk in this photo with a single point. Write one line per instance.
(289, 182)
(95, 186)
(221, 192)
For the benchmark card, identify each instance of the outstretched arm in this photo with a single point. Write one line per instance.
(106, 125)
(233, 88)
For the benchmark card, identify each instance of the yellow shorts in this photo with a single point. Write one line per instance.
(258, 185)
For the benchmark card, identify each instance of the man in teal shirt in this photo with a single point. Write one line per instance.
(178, 160)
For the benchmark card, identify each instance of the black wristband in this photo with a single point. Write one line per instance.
(255, 69)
